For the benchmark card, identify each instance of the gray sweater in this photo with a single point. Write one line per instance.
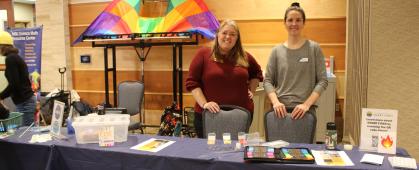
(295, 73)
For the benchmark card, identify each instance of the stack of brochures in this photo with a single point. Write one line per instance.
(332, 158)
(372, 159)
(402, 162)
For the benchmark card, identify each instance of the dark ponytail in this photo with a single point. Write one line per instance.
(296, 4)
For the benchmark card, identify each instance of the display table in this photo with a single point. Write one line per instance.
(185, 153)
(17, 153)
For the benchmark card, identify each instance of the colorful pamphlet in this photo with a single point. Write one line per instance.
(153, 145)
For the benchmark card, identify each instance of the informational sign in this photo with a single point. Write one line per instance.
(378, 130)
(57, 118)
(29, 43)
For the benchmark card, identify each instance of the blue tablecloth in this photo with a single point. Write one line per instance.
(185, 153)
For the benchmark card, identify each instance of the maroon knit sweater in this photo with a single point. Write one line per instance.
(224, 83)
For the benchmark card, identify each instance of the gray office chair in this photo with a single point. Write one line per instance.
(130, 96)
(8, 103)
(290, 130)
(231, 119)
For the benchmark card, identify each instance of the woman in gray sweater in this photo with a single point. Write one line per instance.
(295, 74)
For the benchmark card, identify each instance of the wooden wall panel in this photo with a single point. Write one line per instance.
(263, 51)
(91, 84)
(155, 81)
(338, 51)
(153, 101)
(275, 9)
(273, 31)
(75, 32)
(84, 14)
(326, 30)
(159, 58)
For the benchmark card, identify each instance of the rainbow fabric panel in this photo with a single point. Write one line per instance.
(123, 17)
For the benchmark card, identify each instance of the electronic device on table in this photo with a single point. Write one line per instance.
(280, 155)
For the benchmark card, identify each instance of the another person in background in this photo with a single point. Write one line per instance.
(295, 74)
(224, 74)
(19, 85)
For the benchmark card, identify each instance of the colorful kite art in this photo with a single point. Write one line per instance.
(123, 17)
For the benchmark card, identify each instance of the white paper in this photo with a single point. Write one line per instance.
(332, 158)
(40, 138)
(373, 122)
(372, 159)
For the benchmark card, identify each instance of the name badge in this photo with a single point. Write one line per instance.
(303, 60)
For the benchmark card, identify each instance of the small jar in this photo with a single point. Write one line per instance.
(331, 136)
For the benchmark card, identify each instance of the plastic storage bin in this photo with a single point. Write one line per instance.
(87, 127)
(14, 121)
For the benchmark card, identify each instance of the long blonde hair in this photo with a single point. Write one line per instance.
(236, 54)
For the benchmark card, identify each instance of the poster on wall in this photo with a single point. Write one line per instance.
(29, 43)
(378, 130)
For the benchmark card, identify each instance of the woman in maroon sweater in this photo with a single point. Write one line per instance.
(224, 74)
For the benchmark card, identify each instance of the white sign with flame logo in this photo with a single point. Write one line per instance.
(378, 130)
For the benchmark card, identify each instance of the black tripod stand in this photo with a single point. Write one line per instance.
(142, 55)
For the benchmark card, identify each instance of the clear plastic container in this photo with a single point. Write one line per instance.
(14, 121)
(87, 127)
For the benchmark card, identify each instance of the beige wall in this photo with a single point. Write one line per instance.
(393, 79)
(53, 15)
(24, 13)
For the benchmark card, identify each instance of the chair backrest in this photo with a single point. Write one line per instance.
(290, 130)
(130, 96)
(8, 102)
(231, 119)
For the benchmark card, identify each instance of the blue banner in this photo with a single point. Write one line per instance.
(29, 43)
